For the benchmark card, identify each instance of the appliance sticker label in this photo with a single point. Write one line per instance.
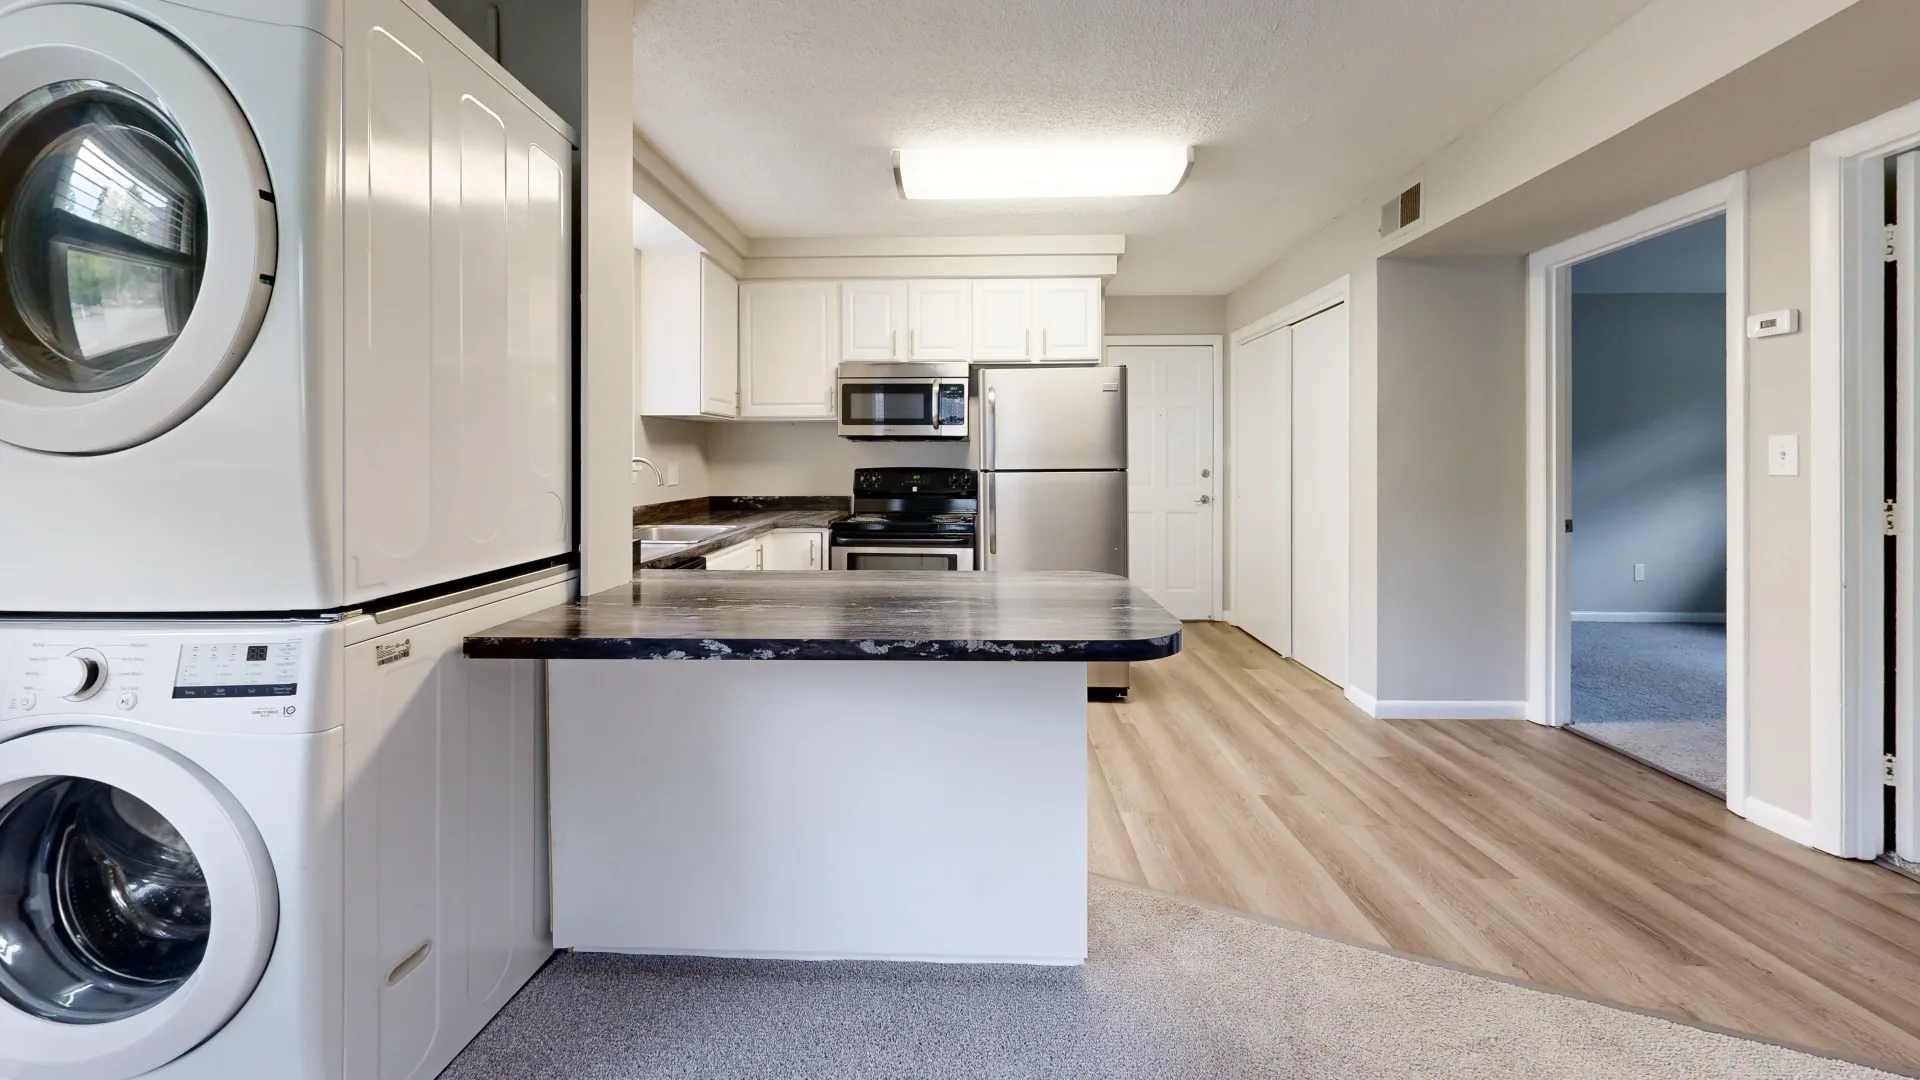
(392, 653)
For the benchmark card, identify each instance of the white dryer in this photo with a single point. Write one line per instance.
(285, 307)
(304, 850)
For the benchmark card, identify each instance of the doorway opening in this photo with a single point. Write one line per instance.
(1648, 356)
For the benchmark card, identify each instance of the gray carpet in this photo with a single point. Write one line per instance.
(1172, 989)
(1658, 692)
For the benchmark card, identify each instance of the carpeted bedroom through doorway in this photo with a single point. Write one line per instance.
(1656, 692)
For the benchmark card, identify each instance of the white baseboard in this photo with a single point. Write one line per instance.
(1441, 710)
(1651, 616)
(1773, 819)
(1364, 701)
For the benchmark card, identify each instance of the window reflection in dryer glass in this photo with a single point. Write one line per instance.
(104, 910)
(102, 236)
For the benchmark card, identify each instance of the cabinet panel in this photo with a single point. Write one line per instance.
(793, 549)
(940, 320)
(745, 556)
(873, 316)
(719, 340)
(787, 335)
(1068, 315)
(1003, 320)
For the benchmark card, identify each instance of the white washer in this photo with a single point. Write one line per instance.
(303, 850)
(285, 307)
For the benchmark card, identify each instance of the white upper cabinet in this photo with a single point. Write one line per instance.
(873, 320)
(687, 338)
(789, 345)
(1003, 320)
(939, 320)
(1067, 317)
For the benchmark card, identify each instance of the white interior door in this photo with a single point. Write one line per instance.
(1171, 474)
(1262, 383)
(1320, 601)
(1905, 841)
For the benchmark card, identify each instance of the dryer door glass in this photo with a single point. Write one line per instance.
(103, 236)
(103, 906)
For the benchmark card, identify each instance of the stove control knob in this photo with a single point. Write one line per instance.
(78, 676)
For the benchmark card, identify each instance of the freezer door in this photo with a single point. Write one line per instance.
(1053, 418)
(1055, 521)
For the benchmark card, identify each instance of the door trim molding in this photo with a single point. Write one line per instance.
(1550, 455)
(1845, 477)
(1219, 449)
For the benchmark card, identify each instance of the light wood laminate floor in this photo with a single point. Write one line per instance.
(1242, 779)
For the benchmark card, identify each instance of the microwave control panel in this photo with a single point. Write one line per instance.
(953, 404)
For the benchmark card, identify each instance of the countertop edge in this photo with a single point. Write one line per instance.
(866, 649)
(694, 556)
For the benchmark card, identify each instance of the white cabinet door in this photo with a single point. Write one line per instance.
(787, 347)
(719, 341)
(873, 317)
(744, 556)
(1003, 320)
(939, 320)
(1067, 318)
(793, 549)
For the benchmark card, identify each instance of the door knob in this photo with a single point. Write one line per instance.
(1206, 474)
(1203, 500)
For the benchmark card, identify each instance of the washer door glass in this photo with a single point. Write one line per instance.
(103, 906)
(103, 236)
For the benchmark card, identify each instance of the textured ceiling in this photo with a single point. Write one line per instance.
(783, 111)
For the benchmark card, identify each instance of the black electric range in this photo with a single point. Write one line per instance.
(909, 519)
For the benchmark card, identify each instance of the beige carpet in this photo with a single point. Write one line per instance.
(1172, 989)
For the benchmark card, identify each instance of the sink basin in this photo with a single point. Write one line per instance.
(653, 549)
(680, 534)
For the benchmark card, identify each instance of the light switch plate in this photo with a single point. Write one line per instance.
(1783, 455)
(1639, 571)
(673, 474)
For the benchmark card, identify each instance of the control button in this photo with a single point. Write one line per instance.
(26, 701)
(128, 699)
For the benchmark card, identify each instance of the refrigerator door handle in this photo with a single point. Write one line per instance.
(987, 455)
(993, 520)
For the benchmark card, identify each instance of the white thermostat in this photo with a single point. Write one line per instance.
(1773, 323)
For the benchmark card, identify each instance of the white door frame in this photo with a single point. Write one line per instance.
(1845, 477)
(1550, 455)
(1330, 295)
(1216, 343)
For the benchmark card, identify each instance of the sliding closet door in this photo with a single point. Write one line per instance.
(1320, 476)
(1262, 389)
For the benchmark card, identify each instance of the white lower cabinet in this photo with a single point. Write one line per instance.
(784, 549)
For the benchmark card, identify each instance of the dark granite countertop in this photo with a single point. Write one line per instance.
(751, 515)
(874, 615)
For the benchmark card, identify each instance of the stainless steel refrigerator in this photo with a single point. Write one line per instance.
(1053, 476)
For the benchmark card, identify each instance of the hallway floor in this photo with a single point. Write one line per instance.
(1656, 692)
(1241, 779)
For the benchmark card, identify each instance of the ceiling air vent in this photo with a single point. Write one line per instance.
(1400, 211)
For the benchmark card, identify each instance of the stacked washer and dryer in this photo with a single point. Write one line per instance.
(285, 413)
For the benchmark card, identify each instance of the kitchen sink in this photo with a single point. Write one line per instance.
(653, 549)
(680, 534)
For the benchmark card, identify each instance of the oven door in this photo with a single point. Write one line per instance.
(936, 556)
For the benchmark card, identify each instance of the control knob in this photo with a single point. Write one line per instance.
(78, 676)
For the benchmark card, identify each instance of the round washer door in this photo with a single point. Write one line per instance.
(137, 903)
(137, 232)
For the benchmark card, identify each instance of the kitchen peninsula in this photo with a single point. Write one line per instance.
(868, 765)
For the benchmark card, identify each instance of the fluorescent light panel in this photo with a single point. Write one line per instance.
(1041, 172)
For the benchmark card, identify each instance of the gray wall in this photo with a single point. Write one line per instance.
(1649, 452)
(1452, 479)
(539, 45)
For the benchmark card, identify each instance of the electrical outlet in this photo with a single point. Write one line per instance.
(1639, 571)
(1783, 455)
(673, 474)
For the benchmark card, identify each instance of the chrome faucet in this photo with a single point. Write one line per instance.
(658, 480)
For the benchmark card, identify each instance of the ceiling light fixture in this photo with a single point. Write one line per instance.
(1041, 172)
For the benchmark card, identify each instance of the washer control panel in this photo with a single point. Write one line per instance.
(259, 678)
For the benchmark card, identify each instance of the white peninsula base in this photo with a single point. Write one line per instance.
(891, 810)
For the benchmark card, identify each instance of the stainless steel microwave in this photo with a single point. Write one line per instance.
(903, 401)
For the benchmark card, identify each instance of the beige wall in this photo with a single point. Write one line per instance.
(1166, 315)
(757, 458)
(1779, 511)
(606, 298)
(1452, 479)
